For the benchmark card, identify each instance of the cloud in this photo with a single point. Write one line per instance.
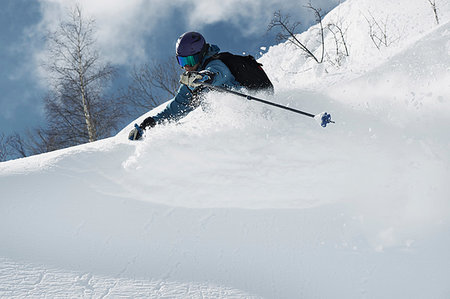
(121, 26)
(127, 29)
(254, 14)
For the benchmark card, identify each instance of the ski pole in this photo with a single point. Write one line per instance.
(323, 118)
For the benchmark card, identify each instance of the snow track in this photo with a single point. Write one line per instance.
(19, 280)
(230, 203)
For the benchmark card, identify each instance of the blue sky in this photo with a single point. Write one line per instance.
(130, 33)
(20, 94)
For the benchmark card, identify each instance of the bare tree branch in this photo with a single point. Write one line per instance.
(151, 85)
(287, 32)
(433, 6)
(319, 16)
(378, 31)
(338, 31)
(4, 148)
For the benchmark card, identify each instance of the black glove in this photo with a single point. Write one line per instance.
(149, 122)
(138, 131)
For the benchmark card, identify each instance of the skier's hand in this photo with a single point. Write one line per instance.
(189, 78)
(195, 79)
(136, 133)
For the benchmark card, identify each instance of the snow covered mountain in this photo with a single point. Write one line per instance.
(247, 201)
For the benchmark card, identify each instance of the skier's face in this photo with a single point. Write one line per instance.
(189, 68)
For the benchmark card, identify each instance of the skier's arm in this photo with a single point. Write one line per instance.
(222, 74)
(178, 107)
(183, 102)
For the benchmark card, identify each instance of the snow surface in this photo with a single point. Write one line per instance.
(243, 200)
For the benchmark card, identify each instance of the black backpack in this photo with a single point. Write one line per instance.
(246, 70)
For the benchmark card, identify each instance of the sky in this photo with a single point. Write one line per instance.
(129, 33)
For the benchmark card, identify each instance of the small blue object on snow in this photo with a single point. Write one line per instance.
(323, 119)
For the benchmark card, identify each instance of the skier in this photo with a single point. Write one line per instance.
(201, 63)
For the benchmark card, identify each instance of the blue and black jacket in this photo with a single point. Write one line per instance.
(186, 99)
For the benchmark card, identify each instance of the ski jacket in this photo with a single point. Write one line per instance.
(184, 101)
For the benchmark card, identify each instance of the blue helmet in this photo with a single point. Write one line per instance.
(190, 43)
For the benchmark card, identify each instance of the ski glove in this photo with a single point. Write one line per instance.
(194, 79)
(136, 133)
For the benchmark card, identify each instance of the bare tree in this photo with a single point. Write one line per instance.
(287, 32)
(378, 31)
(4, 147)
(151, 85)
(31, 142)
(339, 32)
(319, 16)
(76, 107)
(17, 147)
(433, 6)
(14, 146)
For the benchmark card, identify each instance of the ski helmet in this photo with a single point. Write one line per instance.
(190, 43)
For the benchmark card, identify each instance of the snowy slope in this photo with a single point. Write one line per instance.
(247, 201)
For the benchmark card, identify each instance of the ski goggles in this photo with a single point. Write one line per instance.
(189, 60)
